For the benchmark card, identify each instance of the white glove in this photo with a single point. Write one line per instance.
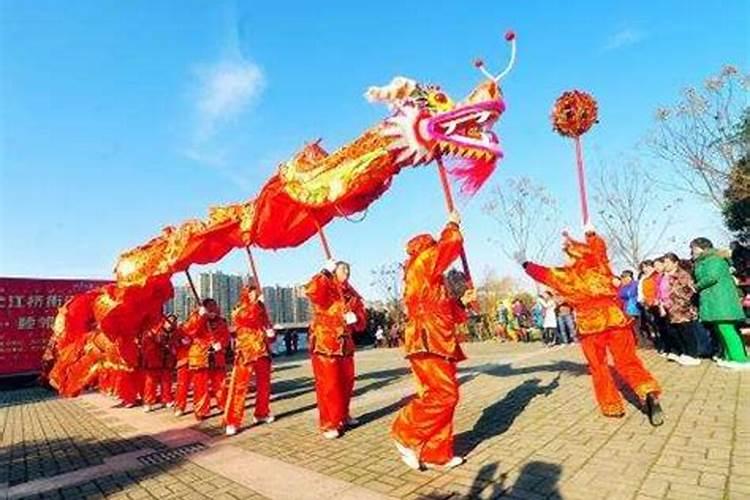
(270, 333)
(216, 346)
(202, 311)
(350, 318)
(330, 265)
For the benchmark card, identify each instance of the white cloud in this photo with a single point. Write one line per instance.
(624, 38)
(225, 90)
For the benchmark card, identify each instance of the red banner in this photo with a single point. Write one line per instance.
(27, 313)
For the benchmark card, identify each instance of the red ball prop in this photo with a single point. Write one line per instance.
(574, 113)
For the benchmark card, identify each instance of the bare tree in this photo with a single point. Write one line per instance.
(527, 215)
(388, 281)
(697, 136)
(633, 217)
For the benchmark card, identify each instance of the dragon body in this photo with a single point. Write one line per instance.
(306, 193)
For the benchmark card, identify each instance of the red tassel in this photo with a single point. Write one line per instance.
(472, 174)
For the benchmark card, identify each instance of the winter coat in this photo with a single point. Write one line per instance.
(719, 299)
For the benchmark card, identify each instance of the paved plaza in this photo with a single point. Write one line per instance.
(527, 424)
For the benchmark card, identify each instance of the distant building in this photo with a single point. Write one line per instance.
(182, 303)
(284, 304)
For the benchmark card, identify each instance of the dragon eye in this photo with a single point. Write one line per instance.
(440, 98)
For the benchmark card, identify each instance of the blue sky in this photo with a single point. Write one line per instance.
(117, 118)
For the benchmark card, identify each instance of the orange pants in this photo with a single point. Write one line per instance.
(426, 423)
(181, 387)
(347, 368)
(234, 412)
(129, 386)
(207, 384)
(218, 381)
(620, 344)
(331, 390)
(157, 380)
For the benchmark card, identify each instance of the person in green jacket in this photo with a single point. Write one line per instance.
(719, 300)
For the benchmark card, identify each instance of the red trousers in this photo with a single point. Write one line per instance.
(332, 389)
(426, 424)
(347, 368)
(157, 380)
(207, 384)
(181, 387)
(234, 412)
(129, 386)
(621, 345)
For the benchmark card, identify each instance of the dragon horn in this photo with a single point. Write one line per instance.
(510, 37)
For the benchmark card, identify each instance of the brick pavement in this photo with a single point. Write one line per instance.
(527, 422)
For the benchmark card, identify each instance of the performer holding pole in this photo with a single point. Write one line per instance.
(423, 430)
(254, 336)
(331, 345)
(209, 336)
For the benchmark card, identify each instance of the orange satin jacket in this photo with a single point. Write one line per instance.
(251, 321)
(586, 285)
(355, 304)
(203, 334)
(433, 314)
(329, 333)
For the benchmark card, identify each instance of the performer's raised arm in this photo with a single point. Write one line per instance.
(448, 247)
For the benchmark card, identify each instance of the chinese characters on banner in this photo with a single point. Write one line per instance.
(27, 312)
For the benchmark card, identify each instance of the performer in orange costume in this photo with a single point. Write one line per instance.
(253, 340)
(158, 364)
(129, 383)
(330, 343)
(181, 350)
(356, 305)
(423, 430)
(209, 336)
(587, 284)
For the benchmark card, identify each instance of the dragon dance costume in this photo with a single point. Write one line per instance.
(423, 430)
(253, 339)
(587, 285)
(337, 310)
(209, 337)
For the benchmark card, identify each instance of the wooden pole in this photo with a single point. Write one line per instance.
(451, 208)
(324, 242)
(253, 269)
(192, 287)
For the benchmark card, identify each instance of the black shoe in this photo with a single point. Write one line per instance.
(653, 408)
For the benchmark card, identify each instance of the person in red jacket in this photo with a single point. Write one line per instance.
(209, 337)
(330, 342)
(423, 429)
(253, 338)
(180, 345)
(158, 364)
(355, 305)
